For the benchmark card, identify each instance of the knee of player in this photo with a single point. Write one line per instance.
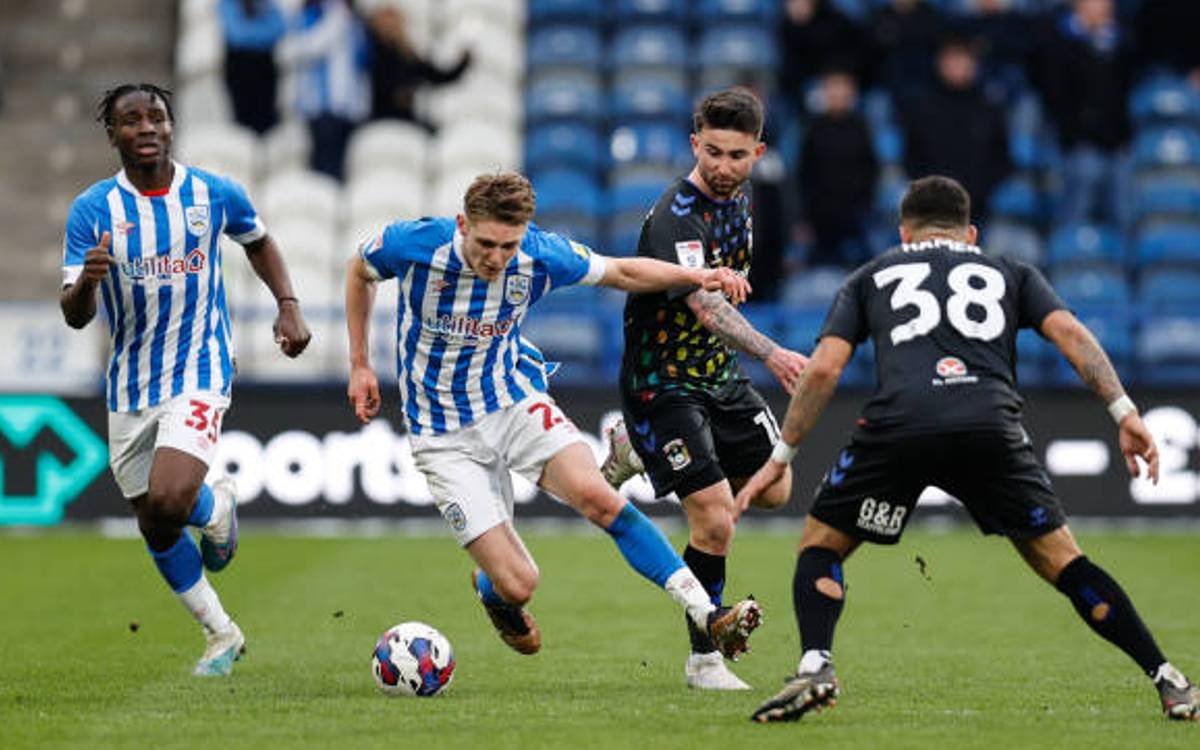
(830, 588)
(712, 530)
(599, 503)
(163, 504)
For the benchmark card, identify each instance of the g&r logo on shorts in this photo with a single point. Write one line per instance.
(879, 517)
(454, 516)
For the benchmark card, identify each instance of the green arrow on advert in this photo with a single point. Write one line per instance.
(22, 419)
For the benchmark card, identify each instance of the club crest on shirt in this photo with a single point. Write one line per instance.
(691, 253)
(197, 219)
(677, 454)
(516, 289)
(454, 516)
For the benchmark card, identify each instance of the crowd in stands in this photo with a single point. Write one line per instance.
(1075, 124)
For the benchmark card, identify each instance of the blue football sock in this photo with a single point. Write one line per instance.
(203, 509)
(643, 545)
(483, 585)
(179, 564)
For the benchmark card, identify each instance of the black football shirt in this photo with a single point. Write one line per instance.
(666, 347)
(944, 318)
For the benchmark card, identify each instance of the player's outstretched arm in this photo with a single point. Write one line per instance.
(719, 316)
(650, 275)
(363, 390)
(1086, 355)
(291, 332)
(813, 390)
(78, 301)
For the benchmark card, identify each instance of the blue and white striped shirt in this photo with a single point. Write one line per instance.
(165, 299)
(459, 350)
(328, 46)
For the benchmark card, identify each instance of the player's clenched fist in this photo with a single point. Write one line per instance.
(291, 332)
(99, 260)
(731, 284)
(363, 393)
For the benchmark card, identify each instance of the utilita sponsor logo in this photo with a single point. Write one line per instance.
(470, 328)
(165, 266)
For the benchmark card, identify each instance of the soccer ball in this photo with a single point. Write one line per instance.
(412, 658)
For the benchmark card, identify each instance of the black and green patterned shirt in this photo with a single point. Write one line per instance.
(666, 347)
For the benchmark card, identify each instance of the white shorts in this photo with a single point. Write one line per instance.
(190, 422)
(468, 469)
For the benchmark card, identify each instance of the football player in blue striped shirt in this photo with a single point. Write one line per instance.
(474, 392)
(148, 240)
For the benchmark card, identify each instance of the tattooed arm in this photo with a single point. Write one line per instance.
(721, 318)
(1084, 353)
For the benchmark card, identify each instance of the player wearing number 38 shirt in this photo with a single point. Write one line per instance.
(944, 318)
(475, 394)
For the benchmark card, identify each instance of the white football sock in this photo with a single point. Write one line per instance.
(202, 602)
(685, 588)
(813, 659)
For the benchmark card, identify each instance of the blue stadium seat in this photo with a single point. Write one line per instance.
(648, 46)
(1093, 287)
(624, 231)
(800, 327)
(888, 192)
(576, 11)
(1167, 195)
(576, 225)
(1018, 197)
(1014, 240)
(650, 143)
(575, 339)
(634, 195)
(1172, 243)
(1166, 147)
(877, 107)
(572, 95)
(565, 45)
(1168, 350)
(1170, 290)
(564, 144)
(1086, 244)
(724, 11)
(736, 46)
(814, 288)
(889, 143)
(1164, 99)
(655, 95)
(567, 190)
(673, 11)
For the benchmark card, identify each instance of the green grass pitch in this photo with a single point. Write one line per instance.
(973, 653)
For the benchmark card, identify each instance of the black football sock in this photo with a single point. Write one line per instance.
(817, 612)
(710, 570)
(1103, 605)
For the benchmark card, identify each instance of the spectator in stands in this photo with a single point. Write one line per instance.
(252, 28)
(837, 174)
(813, 36)
(904, 36)
(1166, 35)
(1083, 70)
(953, 129)
(328, 48)
(397, 71)
(1006, 43)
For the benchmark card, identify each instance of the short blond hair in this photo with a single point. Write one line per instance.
(506, 197)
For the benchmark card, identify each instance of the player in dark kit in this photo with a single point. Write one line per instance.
(699, 428)
(944, 319)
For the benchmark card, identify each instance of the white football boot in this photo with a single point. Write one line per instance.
(219, 538)
(708, 672)
(224, 648)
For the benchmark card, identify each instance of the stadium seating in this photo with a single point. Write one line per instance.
(1168, 350)
(387, 146)
(1168, 243)
(1086, 244)
(565, 45)
(1156, 148)
(303, 194)
(657, 95)
(724, 11)
(286, 147)
(577, 11)
(567, 190)
(735, 46)
(889, 144)
(1093, 287)
(1113, 328)
(575, 95)
(1169, 195)
(650, 142)
(223, 148)
(380, 197)
(563, 144)
(812, 289)
(1015, 240)
(1173, 290)
(1018, 198)
(624, 11)
(1164, 99)
(477, 145)
(648, 46)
